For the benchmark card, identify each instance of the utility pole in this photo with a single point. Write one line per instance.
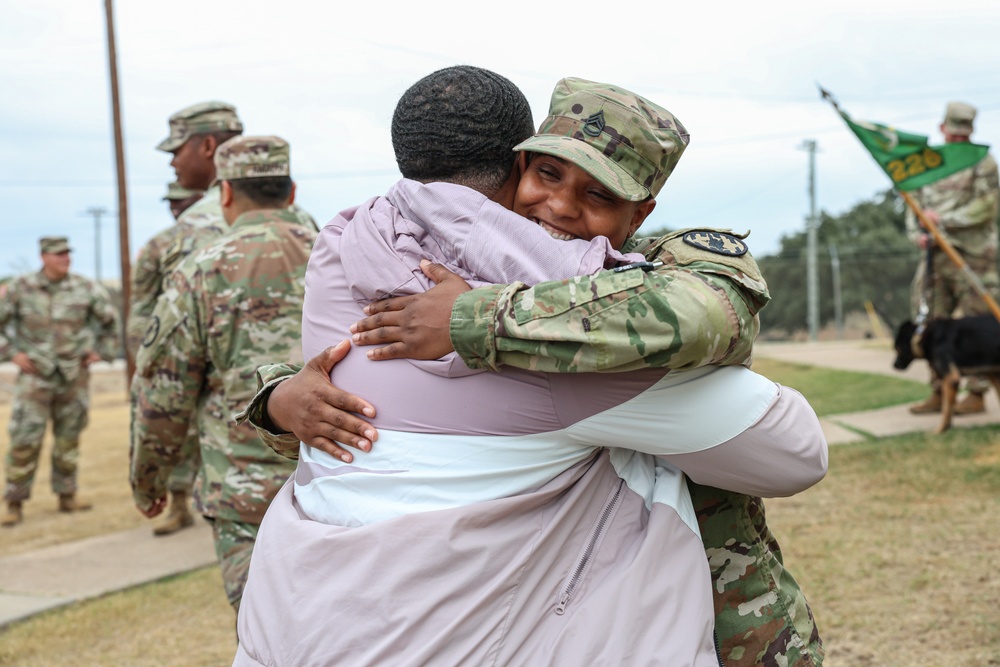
(123, 245)
(812, 274)
(97, 212)
(838, 301)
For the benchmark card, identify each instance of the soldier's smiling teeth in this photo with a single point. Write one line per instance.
(555, 233)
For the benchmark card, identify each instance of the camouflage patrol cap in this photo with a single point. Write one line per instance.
(623, 140)
(958, 117)
(252, 157)
(200, 118)
(177, 192)
(54, 244)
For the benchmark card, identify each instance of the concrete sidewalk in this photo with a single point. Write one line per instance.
(47, 578)
(870, 357)
(36, 581)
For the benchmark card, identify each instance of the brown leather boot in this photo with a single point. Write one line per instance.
(931, 405)
(970, 405)
(69, 503)
(13, 515)
(178, 517)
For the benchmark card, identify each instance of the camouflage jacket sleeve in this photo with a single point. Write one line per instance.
(964, 200)
(170, 373)
(8, 313)
(699, 308)
(255, 412)
(146, 285)
(980, 206)
(105, 317)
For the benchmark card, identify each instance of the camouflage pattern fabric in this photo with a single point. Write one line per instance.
(252, 157)
(626, 142)
(57, 324)
(36, 400)
(968, 203)
(761, 615)
(234, 542)
(228, 308)
(201, 118)
(699, 308)
(268, 377)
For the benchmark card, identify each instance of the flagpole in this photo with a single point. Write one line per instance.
(952, 254)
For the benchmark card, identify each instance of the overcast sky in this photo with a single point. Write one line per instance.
(326, 76)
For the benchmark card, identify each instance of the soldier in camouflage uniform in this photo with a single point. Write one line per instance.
(61, 323)
(965, 207)
(196, 362)
(180, 199)
(195, 134)
(625, 321)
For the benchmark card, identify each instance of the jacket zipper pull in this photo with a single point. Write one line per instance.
(561, 609)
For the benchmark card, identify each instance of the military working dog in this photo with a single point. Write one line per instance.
(952, 348)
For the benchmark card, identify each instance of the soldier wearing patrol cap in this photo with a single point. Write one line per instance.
(53, 325)
(180, 198)
(197, 361)
(594, 168)
(965, 207)
(196, 132)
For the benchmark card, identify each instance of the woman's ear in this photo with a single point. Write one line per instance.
(642, 211)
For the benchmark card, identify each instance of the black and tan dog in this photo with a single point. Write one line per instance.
(953, 348)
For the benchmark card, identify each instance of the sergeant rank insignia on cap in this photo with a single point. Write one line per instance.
(719, 243)
(594, 124)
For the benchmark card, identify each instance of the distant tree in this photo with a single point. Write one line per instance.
(877, 262)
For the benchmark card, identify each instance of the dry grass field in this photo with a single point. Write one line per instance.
(896, 549)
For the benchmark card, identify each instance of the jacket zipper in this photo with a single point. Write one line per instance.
(718, 649)
(588, 553)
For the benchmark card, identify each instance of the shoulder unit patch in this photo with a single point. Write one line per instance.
(719, 243)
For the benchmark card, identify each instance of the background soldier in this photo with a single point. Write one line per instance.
(965, 207)
(198, 358)
(61, 323)
(195, 133)
(180, 198)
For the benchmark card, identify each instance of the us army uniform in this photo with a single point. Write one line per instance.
(226, 309)
(197, 226)
(633, 320)
(967, 203)
(57, 324)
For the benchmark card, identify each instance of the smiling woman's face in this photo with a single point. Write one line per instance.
(570, 203)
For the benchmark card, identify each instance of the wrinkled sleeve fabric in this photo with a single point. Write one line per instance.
(255, 412)
(692, 311)
(750, 435)
(171, 370)
(106, 318)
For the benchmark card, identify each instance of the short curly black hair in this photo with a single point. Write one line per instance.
(460, 124)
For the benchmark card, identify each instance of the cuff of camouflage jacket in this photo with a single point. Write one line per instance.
(473, 326)
(255, 411)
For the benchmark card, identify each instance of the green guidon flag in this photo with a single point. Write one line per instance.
(907, 158)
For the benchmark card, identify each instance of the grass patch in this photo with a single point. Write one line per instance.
(833, 392)
(896, 550)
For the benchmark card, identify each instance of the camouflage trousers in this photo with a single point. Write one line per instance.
(38, 400)
(949, 294)
(761, 615)
(233, 547)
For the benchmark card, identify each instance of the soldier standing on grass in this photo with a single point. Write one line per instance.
(61, 323)
(227, 309)
(964, 206)
(195, 133)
